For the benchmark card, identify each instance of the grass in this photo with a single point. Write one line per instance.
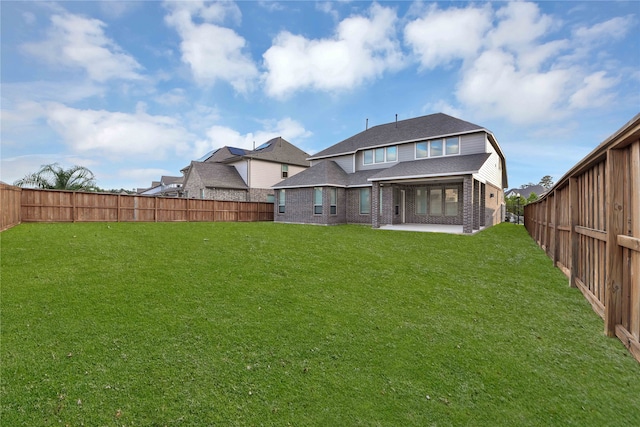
(278, 324)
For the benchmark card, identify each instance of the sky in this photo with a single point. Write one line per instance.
(136, 90)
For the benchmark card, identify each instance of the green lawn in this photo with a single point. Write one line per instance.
(277, 324)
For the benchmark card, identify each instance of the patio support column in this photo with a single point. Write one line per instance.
(476, 204)
(467, 202)
(483, 205)
(375, 205)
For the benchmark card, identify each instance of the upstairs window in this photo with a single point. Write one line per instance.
(285, 171)
(438, 148)
(435, 148)
(422, 150)
(380, 155)
(452, 146)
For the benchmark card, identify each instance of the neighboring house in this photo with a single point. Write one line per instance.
(168, 186)
(231, 173)
(526, 191)
(434, 169)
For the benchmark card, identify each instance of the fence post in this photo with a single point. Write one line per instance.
(556, 231)
(574, 220)
(617, 169)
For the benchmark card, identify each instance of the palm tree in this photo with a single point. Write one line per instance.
(54, 177)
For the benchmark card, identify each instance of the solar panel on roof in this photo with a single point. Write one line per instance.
(263, 146)
(236, 151)
(206, 156)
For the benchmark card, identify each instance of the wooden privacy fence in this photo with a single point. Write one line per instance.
(589, 224)
(9, 205)
(70, 206)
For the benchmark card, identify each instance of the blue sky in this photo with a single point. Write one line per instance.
(135, 90)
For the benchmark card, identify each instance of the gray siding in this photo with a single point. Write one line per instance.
(345, 162)
(473, 143)
(407, 152)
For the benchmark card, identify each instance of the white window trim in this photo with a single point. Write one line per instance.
(444, 148)
(373, 156)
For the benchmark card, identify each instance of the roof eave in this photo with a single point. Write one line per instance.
(419, 176)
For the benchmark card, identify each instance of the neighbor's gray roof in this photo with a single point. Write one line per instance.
(327, 173)
(166, 180)
(433, 167)
(276, 150)
(425, 127)
(526, 191)
(218, 175)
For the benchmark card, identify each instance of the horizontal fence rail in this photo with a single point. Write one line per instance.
(589, 224)
(32, 205)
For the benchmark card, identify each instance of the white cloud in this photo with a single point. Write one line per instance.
(362, 49)
(514, 64)
(520, 24)
(615, 28)
(117, 135)
(175, 96)
(593, 92)
(212, 52)
(219, 136)
(77, 42)
(494, 86)
(29, 18)
(144, 176)
(441, 36)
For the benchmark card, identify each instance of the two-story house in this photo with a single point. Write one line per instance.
(434, 169)
(236, 174)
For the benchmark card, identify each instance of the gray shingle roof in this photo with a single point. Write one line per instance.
(276, 150)
(527, 190)
(328, 173)
(439, 166)
(218, 175)
(425, 127)
(166, 180)
(323, 173)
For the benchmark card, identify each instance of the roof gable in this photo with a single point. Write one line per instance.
(217, 175)
(419, 128)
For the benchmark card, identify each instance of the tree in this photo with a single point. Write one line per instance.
(54, 177)
(532, 198)
(546, 181)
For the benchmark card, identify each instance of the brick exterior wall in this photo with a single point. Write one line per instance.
(494, 206)
(467, 209)
(353, 208)
(225, 194)
(299, 207)
(260, 194)
(483, 211)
